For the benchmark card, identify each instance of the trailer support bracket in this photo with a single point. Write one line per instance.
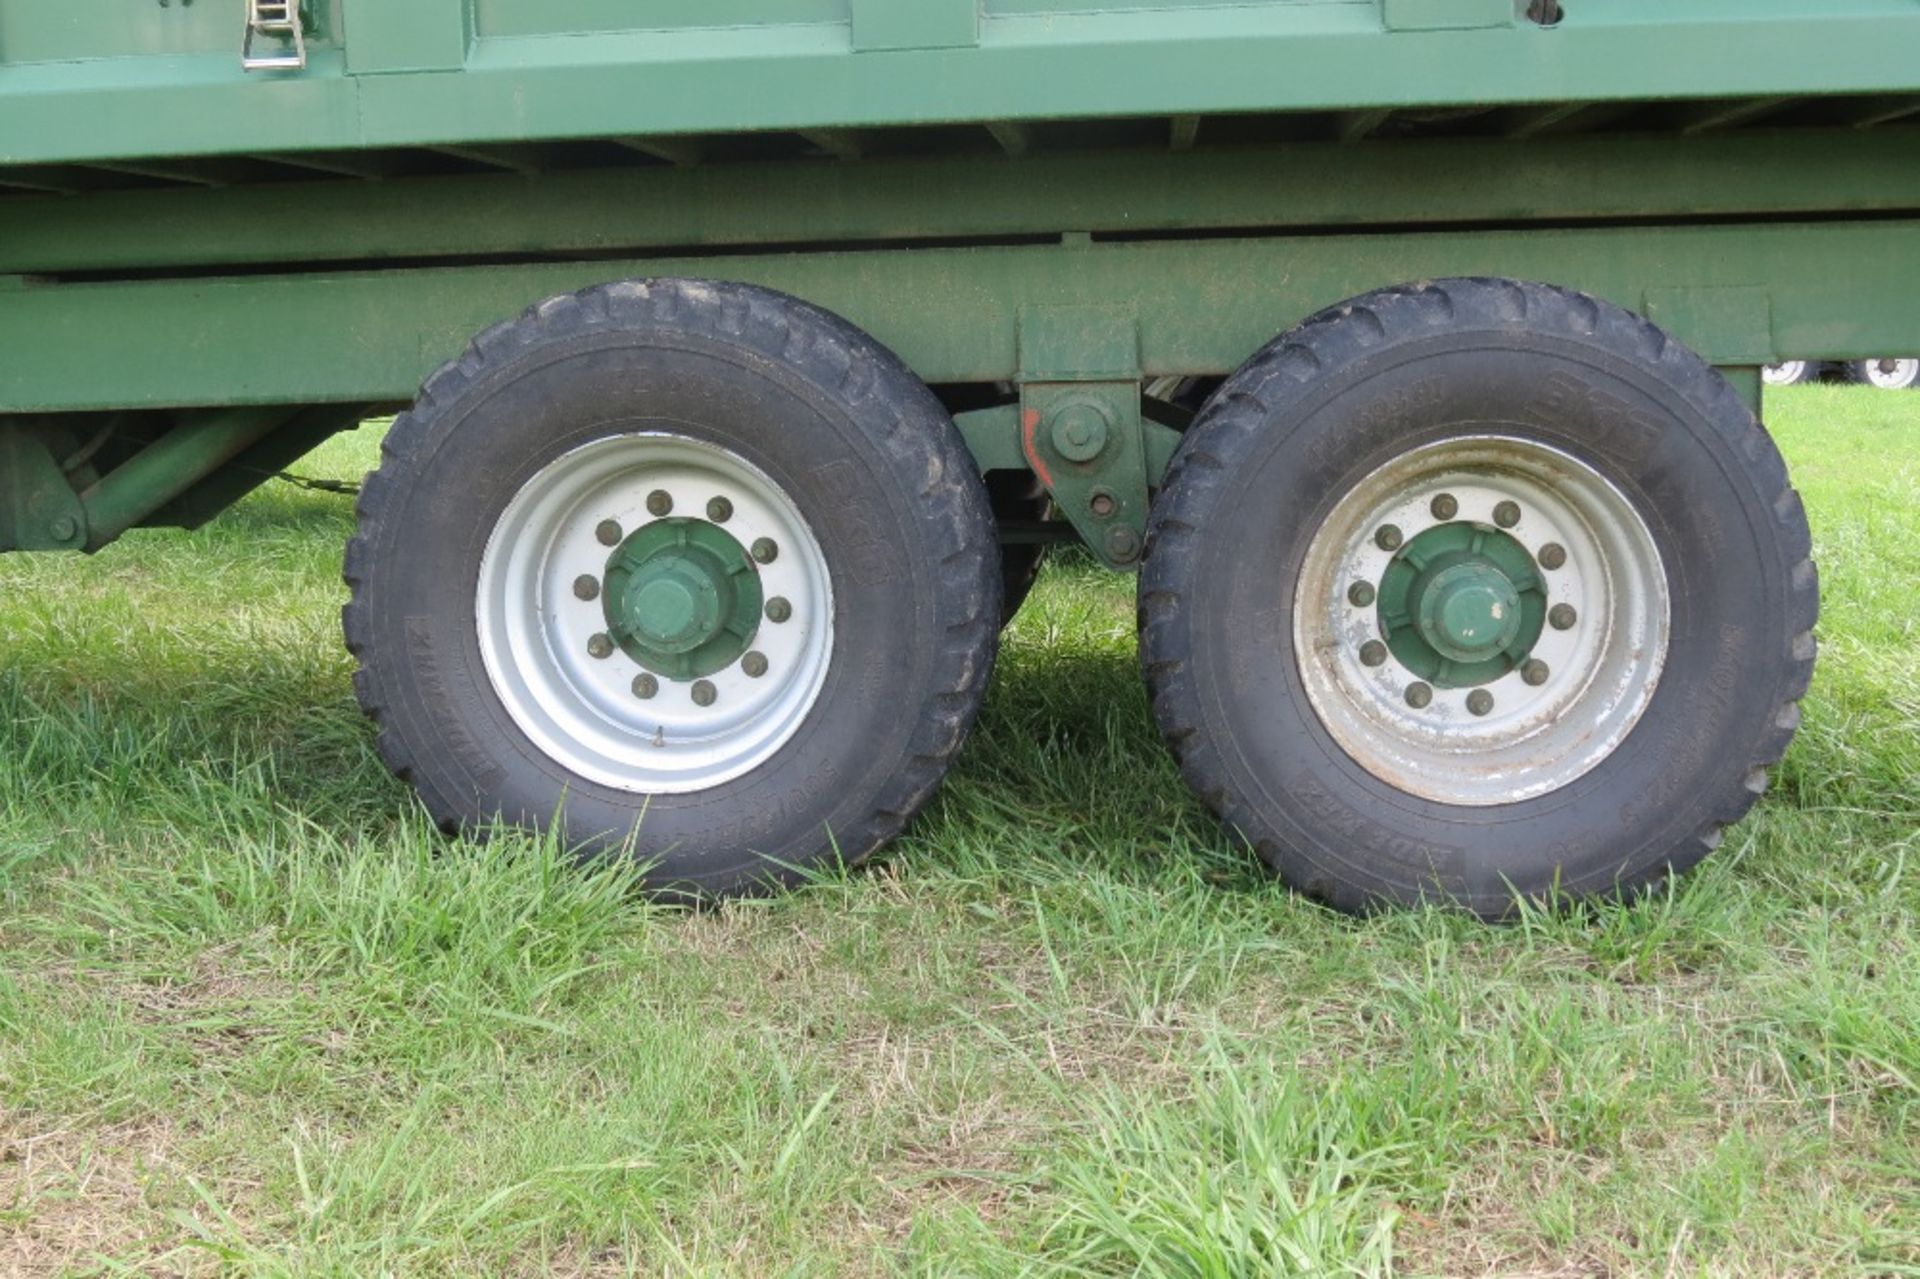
(1080, 426)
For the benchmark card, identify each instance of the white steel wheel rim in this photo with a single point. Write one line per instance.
(1893, 374)
(1785, 373)
(583, 711)
(1603, 668)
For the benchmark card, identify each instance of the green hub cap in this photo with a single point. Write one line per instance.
(1461, 605)
(682, 598)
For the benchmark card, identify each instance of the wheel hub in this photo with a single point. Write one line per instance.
(1461, 605)
(682, 598)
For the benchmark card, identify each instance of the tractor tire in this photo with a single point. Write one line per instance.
(691, 572)
(1477, 592)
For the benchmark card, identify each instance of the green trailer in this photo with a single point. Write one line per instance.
(749, 354)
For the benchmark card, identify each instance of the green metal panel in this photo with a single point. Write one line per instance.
(1833, 290)
(924, 24)
(417, 35)
(1444, 15)
(543, 17)
(1123, 60)
(1456, 182)
(75, 30)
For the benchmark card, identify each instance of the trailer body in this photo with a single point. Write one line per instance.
(229, 229)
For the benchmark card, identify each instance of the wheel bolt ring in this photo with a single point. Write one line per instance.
(608, 532)
(1373, 653)
(1553, 555)
(1445, 507)
(1419, 695)
(1506, 514)
(1480, 702)
(704, 693)
(660, 503)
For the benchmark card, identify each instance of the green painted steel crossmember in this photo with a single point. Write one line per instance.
(682, 598)
(1461, 182)
(1834, 290)
(1462, 605)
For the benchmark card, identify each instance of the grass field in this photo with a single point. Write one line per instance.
(255, 1017)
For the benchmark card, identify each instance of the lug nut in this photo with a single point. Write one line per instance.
(754, 664)
(1360, 594)
(1387, 538)
(1419, 696)
(659, 502)
(778, 610)
(764, 550)
(1373, 653)
(1506, 514)
(608, 532)
(599, 645)
(1480, 701)
(645, 686)
(1535, 672)
(703, 693)
(1445, 506)
(1562, 617)
(586, 587)
(719, 510)
(1553, 555)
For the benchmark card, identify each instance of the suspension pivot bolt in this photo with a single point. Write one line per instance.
(1360, 594)
(1419, 695)
(754, 664)
(1553, 555)
(704, 693)
(1080, 432)
(586, 587)
(1480, 702)
(645, 686)
(764, 550)
(1562, 617)
(600, 645)
(1445, 506)
(778, 610)
(1506, 514)
(1123, 544)
(607, 532)
(1387, 537)
(719, 510)
(1373, 653)
(659, 502)
(1535, 672)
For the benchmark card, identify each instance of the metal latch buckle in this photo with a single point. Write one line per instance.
(278, 21)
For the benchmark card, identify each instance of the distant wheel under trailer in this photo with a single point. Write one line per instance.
(1791, 372)
(1889, 373)
(1424, 615)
